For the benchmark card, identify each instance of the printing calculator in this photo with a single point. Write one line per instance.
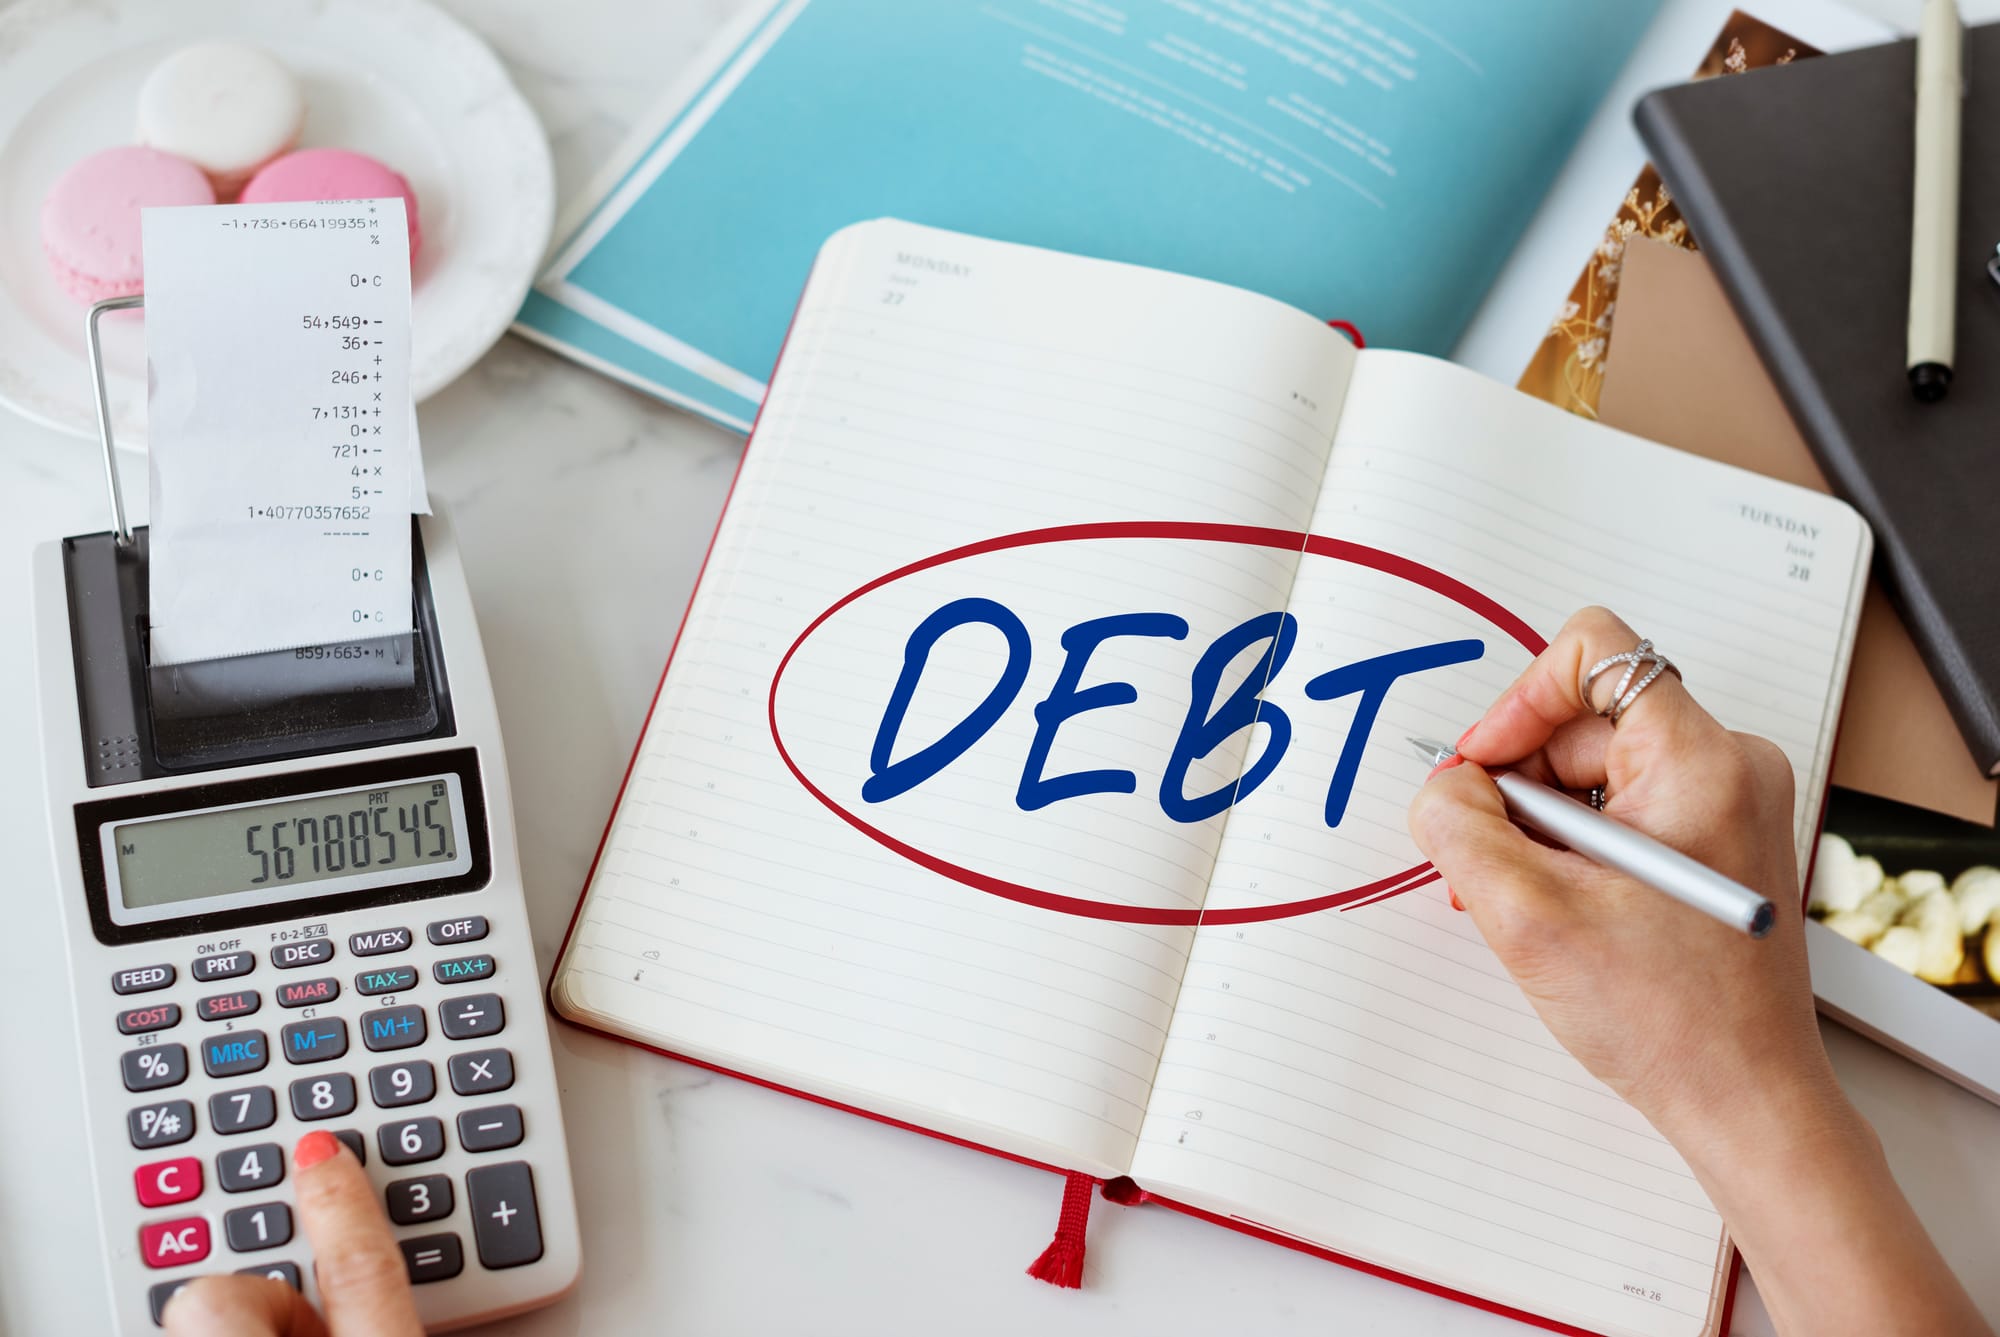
(292, 901)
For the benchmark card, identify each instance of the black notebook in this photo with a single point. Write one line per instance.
(1796, 182)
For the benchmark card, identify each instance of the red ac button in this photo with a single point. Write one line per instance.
(174, 1243)
(166, 1182)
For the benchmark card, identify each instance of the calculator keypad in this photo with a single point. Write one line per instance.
(493, 1202)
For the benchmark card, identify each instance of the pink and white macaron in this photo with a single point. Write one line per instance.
(332, 174)
(90, 218)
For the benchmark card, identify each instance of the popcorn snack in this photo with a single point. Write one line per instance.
(1944, 932)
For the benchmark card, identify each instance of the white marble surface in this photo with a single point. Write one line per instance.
(709, 1206)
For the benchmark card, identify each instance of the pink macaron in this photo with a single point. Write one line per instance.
(331, 174)
(90, 219)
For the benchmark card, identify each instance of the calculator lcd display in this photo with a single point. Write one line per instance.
(365, 837)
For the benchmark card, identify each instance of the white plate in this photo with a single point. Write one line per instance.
(399, 80)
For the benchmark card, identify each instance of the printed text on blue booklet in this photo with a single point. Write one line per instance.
(1370, 161)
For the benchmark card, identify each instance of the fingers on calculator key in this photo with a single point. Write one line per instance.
(234, 1306)
(362, 1275)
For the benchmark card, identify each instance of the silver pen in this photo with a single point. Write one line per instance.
(1615, 845)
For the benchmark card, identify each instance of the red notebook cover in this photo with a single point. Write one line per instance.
(1062, 1262)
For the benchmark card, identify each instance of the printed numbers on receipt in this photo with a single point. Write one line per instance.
(281, 430)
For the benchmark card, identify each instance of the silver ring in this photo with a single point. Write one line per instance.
(1642, 657)
(1597, 797)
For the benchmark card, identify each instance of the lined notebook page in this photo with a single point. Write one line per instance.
(938, 390)
(1369, 1078)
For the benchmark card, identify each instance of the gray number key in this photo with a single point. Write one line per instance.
(411, 1141)
(396, 1084)
(412, 1201)
(242, 1111)
(285, 1272)
(244, 1169)
(506, 1228)
(326, 1097)
(265, 1226)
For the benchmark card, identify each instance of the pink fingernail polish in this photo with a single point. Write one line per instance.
(1445, 765)
(1467, 734)
(1456, 904)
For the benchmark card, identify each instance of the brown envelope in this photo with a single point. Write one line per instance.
(1681, 371)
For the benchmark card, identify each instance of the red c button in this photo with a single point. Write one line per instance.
(166, 1182)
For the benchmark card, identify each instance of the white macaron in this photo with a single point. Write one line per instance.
(226, 107)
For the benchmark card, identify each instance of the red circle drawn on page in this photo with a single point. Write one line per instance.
(1288, 540)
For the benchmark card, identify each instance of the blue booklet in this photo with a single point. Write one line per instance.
(1370, 161)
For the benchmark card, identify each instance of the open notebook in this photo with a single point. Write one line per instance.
(1030, 765)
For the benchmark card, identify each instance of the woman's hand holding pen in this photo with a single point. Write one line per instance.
(1709, 1033)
